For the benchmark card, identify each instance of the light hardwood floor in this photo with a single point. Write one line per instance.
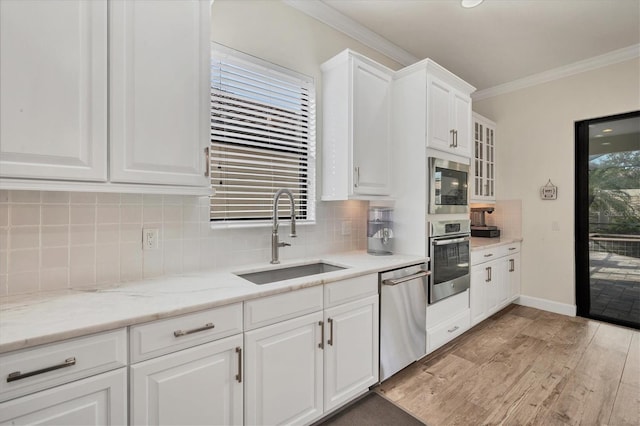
(524, 366)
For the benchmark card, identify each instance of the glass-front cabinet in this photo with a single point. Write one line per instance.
(484, 160)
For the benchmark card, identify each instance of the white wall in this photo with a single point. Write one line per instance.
(535, 139)
(59, 240)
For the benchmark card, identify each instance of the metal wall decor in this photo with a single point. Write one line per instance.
(549, 191)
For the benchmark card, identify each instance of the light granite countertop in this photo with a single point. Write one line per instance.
(479, 243)
(34, 319)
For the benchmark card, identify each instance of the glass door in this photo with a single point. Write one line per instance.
(608, 219)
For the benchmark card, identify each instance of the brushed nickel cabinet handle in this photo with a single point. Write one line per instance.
(455, 138)
(451, 330)
(330, 341)
(179, 333)
(321, 344)
(488, 269)
(453, 142)
(17, 375)
(488, 255)
(206, 161)
(512, 265)
(511, 248)
(357, 180)
(239, 375)
(490, 273)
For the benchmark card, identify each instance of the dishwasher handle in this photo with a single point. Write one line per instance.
(397, 281)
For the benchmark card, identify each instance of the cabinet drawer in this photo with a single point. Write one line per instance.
(509, 249)
(348, 290)
(447, 308)
(162, 337)
(486, 255)
(30, 370)
(447, 331)
(273, 309)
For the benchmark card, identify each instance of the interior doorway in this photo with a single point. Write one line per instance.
(607, 205)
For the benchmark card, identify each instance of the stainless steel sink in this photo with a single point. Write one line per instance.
(287, 273)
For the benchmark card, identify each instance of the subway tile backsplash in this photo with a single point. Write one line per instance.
(60, 240)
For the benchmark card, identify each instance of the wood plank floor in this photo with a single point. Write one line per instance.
(524, 366)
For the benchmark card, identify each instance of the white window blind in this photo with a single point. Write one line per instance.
(262, 138)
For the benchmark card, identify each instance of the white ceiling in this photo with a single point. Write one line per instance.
(501, 40)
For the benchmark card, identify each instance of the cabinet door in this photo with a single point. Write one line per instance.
(53, 89)
(283, 380)
(500, 279)
(200, 385)
(491, 271)
(371, 112)
(97, 400)
(351, 350)
(439, 124)
(478, 294)
(461, 115)
(513, 274)
(159, 91)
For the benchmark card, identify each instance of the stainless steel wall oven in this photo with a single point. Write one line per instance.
(450, 263)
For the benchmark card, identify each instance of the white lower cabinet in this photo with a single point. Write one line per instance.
(447, 319)
(494, 283)
(284, 372)
(301, 368)
(96, 400)
(351, 350)
(199, 385)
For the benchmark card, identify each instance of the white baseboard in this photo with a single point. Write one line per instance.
(547, 305)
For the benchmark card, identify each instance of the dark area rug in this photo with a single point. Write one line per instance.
(372, 410)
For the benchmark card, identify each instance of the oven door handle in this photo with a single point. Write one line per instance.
(397, 281)
(450, 241)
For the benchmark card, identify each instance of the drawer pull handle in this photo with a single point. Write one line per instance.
(330, 341)
(16, 375)
(239, 375)
(511, 248)
(488, 255)
(179, 333)
(405, 279)
(321, 344)
(451, 330)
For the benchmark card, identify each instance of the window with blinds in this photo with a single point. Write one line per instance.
(262, 138)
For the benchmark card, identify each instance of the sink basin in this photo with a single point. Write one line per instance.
(287, 273)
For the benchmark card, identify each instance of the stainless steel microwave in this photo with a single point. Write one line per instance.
(448, 186)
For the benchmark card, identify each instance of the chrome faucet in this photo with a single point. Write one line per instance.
(275, 243)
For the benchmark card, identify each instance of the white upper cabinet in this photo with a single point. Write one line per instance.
(159, 90)
(448, 117)
(432, 109)
(80, 105)
(356, 127)
(53, 89)
(483, 163)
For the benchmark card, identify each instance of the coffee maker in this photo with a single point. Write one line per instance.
(479, 228)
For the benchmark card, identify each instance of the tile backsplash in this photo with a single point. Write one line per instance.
(59, 240)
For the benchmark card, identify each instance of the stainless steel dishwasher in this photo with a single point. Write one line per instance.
(403, 318)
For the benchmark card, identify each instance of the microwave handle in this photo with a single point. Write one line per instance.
(450, 241)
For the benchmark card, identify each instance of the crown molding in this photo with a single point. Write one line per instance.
(613, 57)
(328, 15)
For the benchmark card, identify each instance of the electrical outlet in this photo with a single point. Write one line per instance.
(150, 239)
(346, 227)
